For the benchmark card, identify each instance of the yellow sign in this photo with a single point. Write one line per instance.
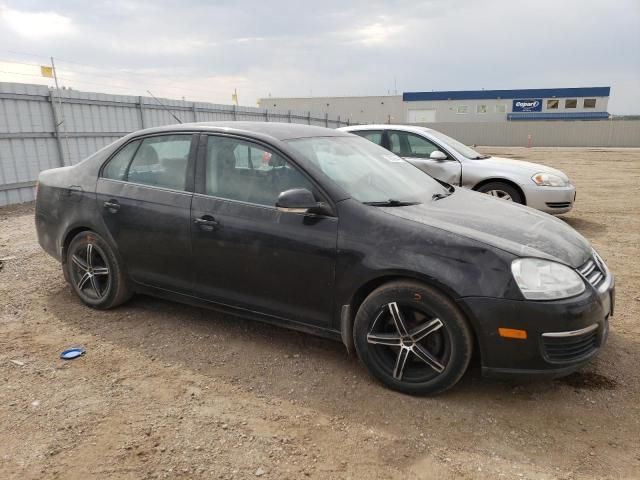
(46, 71)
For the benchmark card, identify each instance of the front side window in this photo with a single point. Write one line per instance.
(419, 146)
(248, 172)
(553, 104)
(407, 144)
(116, 169)
(161, 162)
(571, 103)
(367, 172)
(374, 136)
(589, 103)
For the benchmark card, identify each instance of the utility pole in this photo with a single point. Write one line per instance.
(61, 117)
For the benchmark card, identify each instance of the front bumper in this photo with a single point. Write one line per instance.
(554, 200)
(562, 335)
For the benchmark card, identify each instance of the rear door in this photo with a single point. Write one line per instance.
(417, 150)
(144, 193)
(247, 253)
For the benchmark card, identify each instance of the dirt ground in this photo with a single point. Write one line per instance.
(171, 391)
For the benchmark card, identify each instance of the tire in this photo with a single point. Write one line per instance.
(95, 272)
(503, 191)
(431, 323)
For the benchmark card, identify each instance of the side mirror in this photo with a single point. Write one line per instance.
(300, 200)
(438, 155)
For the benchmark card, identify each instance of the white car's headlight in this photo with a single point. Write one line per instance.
(544, 280)
(549, 180)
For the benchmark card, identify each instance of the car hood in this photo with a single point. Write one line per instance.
(514, 228)
(519, 166)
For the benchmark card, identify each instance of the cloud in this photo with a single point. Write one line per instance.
(36, 25)
(203, 49)
(377, 33)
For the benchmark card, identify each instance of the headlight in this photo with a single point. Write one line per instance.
(544, 280)
(549, 180)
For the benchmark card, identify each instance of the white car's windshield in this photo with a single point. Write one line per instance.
(367, 172)
(458, 146)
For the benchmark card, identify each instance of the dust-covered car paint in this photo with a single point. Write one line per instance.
(312, 271)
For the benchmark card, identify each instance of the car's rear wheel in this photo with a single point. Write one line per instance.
(95, 272)
(412, 338)
(503, 191)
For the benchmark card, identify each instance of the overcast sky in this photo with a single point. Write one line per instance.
(204, 49)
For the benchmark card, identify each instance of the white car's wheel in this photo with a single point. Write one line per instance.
(503, 191)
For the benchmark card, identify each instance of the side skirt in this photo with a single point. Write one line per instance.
(238, 311)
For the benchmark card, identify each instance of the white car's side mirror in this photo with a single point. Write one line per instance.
(438, 155)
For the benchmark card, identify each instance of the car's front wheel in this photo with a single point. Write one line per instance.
(95, 272)
(503, 191)
(412, 338)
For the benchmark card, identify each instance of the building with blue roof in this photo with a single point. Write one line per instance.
(544, 104)
(498, 105)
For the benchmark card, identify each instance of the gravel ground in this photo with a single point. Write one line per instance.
(172, 391)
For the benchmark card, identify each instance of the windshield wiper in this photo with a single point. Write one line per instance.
(391, 203)
(481, 157)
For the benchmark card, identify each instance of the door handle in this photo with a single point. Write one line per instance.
(206, 223)
(112, 206)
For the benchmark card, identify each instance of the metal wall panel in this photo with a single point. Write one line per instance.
(30, 141)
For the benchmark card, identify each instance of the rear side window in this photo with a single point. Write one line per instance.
(116, 169)
(161, 162)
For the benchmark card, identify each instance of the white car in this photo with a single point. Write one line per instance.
(446, 159)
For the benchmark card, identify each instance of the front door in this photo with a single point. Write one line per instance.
(246, 252)
(417, 150)
(144, 193)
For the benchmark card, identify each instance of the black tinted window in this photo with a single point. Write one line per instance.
(244, 171)
(161, 162)
(116, 169)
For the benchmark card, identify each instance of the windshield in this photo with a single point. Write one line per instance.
(457, 146)
(368, 172)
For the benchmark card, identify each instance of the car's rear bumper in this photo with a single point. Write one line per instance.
(561, 335)
(552, 200)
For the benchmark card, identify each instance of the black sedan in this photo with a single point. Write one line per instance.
(323, 231)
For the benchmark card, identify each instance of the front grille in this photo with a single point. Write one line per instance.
(570, 346)
(558, 204)
(593, 271)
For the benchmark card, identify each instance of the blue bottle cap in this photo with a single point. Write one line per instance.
(72, 353)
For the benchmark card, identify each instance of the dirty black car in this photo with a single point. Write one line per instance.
(323, 231)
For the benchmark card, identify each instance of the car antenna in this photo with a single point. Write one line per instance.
(163, 106)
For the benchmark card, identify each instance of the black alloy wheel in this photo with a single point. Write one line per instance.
(412, 338)
(95, 272)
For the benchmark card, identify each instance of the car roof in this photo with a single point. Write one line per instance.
(386, 126)
(275, 130)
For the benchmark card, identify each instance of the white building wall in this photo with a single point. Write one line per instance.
(496, 110)
(373, 109)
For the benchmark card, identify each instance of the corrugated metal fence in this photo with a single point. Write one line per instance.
(32, 137)
(556, 133)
